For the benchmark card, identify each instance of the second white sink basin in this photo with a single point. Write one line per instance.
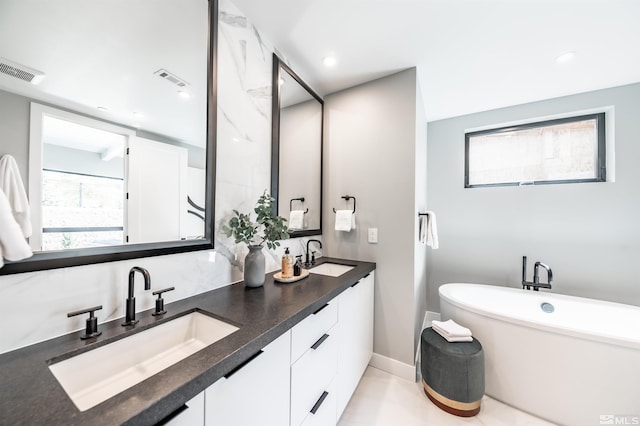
(331, 269)
(97, 375)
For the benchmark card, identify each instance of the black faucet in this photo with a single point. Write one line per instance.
(306, 259)
(130, 308)
(536, 284)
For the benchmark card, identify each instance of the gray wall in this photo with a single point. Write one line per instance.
(14, 130)
(370, 152)
(589, 233)
(420, 200)
(300, 160)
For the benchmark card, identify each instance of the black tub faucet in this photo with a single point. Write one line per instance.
(306, 259)
(130, 307)
(536, 278)
(536, 284)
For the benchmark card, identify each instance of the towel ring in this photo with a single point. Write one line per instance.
(347, 198)
(301, 199)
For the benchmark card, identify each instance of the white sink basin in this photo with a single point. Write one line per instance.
(97, 375)
(331, 269)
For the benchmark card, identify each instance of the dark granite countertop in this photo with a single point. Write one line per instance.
(31, 395)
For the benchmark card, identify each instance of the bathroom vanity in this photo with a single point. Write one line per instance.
(295, 359)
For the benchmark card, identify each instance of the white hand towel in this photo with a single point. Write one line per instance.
(432, 230)
(345, 220)
(13, 188)
(12, 243)
(451, 328)
(422, 228)
(296, 219)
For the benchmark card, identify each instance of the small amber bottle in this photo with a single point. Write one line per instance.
(287, 264)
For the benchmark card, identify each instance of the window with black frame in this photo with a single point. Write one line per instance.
(565, 150)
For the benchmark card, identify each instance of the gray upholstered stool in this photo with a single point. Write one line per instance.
(452, 373)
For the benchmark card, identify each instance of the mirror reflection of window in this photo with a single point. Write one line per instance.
(82, 185)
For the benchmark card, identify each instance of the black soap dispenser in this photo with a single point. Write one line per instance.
(297, 267)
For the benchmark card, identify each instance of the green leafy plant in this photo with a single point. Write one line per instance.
(268, 226)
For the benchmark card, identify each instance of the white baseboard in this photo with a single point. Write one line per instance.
(392, 366)
(400, 369)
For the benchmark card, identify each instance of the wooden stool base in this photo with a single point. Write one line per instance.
(461, 409)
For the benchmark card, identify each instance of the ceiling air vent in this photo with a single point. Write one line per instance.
(20, 71)
(171, 77)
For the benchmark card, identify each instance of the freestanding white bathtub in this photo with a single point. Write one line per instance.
(576, 366)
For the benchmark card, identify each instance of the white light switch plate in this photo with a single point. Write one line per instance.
(372, 235)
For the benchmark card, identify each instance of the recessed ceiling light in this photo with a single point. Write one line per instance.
(183, 94)
(329, 61)
(565, 57)
(101, 108)
(138, 114)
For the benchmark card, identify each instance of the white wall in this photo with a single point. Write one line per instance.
(370, 153)
(588, 233)
(35, 304)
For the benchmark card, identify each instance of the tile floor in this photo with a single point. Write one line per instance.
(382, 399)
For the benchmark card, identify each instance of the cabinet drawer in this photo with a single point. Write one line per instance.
(311, 375)
(324, 411)
(255, 394)
(308, 331)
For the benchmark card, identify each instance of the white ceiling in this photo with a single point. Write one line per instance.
(471, 55)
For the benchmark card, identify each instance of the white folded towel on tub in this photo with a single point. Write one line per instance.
(345, 220)
(296, 219)
(452, 331)
(13, 246)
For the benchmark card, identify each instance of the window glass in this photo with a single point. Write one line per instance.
(81, 211)
(556, 151)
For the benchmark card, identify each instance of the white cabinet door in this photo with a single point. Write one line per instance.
(256, 394)
(192, 415)
(355, 330)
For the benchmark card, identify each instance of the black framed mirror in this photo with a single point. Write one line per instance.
(296, 153)
(123, 66)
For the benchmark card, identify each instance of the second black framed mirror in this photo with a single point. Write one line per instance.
(296, 153)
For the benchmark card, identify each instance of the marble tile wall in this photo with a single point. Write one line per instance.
(33, 306)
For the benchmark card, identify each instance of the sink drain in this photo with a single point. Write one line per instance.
(547, 307)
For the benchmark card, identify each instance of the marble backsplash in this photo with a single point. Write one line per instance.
(35, 304)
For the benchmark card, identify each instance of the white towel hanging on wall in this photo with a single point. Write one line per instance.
(296, 219)
(13, 188)
(13, 246)
(428, 229)
(345, 220)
